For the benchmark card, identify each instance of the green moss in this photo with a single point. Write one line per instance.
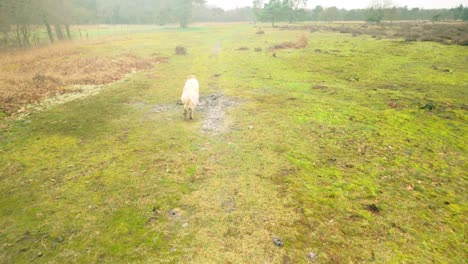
(317, 138)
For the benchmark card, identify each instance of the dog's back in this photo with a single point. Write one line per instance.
(190, 95)
(191, 90)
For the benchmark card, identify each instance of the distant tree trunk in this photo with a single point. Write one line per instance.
(58, 31)
(183, 23)
(5, 41)
(67, 28)
(49, 30)
(273, 22)
(26, 34)
(183, 12)
(18, 38)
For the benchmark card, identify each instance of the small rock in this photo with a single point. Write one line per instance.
(311, 256)
(250, 127)
(278, 242)
(40, 254)
(59, 239)
(185, 225)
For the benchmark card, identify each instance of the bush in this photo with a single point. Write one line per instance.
(463, 42)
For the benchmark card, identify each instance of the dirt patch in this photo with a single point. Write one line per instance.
(214, 105)
(30, 78)
(394, 105)
(300, 43)
(389, 86)
(229, 204)
(174, 214)
(319, 87)
(164, 108)
(243, 48)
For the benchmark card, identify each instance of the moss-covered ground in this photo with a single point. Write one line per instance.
(329, 148)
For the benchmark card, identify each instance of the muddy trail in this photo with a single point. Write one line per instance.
(212, 110)
(235, 215)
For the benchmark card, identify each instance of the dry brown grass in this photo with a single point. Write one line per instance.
(300, 43)
(28, 77)
(455, 33)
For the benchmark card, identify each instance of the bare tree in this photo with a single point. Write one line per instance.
(183, 10)
(294, 6)
(22, 15)
(377, 10)
(257, 9)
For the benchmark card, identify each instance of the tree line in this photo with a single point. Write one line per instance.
(21, 19)
(377, 12)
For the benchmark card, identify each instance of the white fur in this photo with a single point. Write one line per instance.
(190, 96)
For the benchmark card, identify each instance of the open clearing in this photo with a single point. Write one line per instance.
(353, 149)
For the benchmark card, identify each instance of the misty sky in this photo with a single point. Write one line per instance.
(348, 4)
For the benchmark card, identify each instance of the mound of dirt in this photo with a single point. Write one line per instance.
(301, 43)
(180, 50)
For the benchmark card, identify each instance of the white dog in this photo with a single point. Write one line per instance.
(190, 96)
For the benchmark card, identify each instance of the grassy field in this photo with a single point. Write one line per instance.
(353, 149)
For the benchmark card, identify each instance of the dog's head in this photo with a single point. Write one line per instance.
(191, 76)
